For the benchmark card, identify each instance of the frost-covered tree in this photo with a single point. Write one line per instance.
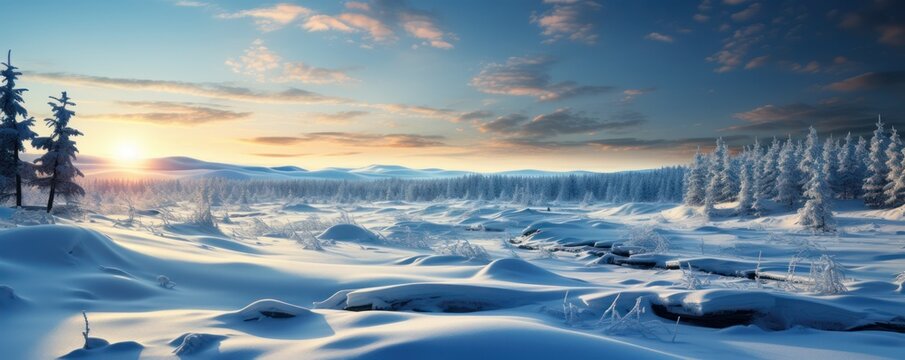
(877, 171)
(849, 177)
(13, 132)
(769, 171)
(897, 192)
(829, 158)
(817, 212)
(696, 180)
(56, 165)
(746, 185)
(894, 165)
(717, 187)
(788, 189)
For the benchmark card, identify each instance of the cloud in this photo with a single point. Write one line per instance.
(355, 139)
(261, 63)
(275, 155)
(631, 94)
(559, 122)
(207, 90)
(171, 113)
(529, 76)
(380, 20)
(655, 36)
(341, 116)
(572, 20)
(749, 13)
(736, 47)
(810, 67)
(474, 115)
(681, 145)
(271, 18)
(834, 116)
(881, 17)
(757, 62)
(883, 80)
(191, 3)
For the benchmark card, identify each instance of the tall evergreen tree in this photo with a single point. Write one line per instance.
(877, 170)
(894, 165)
(56, 164)
(787, 182)
(769, 171)
(717, 186)
(849, 178)
(13, 132)
(829, 158)
(696, 180)
(746, 183)
(817, 212)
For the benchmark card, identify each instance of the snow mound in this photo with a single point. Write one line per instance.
(348, 232)
(300, 208)
(195, 343)
(521, 271)
(438, 260)
(633, 209)
(576, 232)
(58, 246)
(266, 308)
(441, 297)
(101, 349)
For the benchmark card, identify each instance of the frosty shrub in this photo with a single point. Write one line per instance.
(900, 277)
(691, 280)
(308, 240)
(827, 277)
(647, 239)
(202, 216)
(411, 239)
(632, 322)
(463, 248)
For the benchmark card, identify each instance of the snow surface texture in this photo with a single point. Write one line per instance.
(451, 280)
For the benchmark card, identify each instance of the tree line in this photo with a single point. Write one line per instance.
(807, 173)
(54, 170)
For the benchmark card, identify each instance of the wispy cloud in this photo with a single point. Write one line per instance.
(529, 76)
(882, 80)
(736, 47)
(171, 113)
(568, 19)
(655, 36)
(562, 121)
(747, 14)
(207, 90)
(265, 65)
(832, 115)
(337, 117)
(271, 18)
(380, 21)
(355, 139)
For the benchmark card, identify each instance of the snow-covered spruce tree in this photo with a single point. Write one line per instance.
(716, 187)
(769, 171)
(56, 164)
(758, 197)
(894, 164)
(828, 159)
(788, 189)
(849, 177)
(817, 213)
(898, 184)
(746, 186)
(876, 168)
(696, 180)
(13, 132)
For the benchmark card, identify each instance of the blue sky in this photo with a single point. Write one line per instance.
(477, 85)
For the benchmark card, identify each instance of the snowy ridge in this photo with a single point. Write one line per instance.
(186, 167)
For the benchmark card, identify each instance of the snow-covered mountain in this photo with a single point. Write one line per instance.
(186, 167)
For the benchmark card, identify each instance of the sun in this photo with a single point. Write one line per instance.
(127, 152)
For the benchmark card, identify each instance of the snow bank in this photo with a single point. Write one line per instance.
(266, 308)
(349, 232)
(521, 271)
(443, 297)
(58, 246)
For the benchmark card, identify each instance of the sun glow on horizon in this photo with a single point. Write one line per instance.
(127, 152)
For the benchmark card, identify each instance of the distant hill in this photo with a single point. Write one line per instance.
(186, 167)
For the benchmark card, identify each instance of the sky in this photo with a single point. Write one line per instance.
(469, 84)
